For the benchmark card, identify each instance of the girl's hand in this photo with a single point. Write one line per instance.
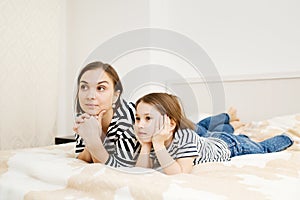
(163, 130)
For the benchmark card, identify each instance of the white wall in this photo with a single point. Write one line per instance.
(89, 23)
(44, 43)
(241, 38)
(31, 43)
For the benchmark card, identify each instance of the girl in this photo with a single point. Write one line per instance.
(104, 123)
(161, 125)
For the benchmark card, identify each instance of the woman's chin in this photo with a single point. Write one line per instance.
(92, 112)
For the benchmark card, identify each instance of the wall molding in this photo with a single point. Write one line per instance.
(239, 78)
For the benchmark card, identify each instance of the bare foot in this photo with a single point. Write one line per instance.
(237, 124)
(232, 114)
(234, 120)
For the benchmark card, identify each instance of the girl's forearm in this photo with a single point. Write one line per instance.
(169, 165)
(144, 158)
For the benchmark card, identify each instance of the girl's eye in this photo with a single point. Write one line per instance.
(137, 118)
(100, 88)
(148, 118)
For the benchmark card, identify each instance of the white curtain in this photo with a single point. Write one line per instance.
(30, 60)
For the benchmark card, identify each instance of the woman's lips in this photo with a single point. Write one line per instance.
(91, 105)
(142, 133)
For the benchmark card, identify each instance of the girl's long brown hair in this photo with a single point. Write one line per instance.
(168, 104)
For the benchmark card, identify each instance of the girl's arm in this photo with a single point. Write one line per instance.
(162, 137)
(169, 165)
(144, 159)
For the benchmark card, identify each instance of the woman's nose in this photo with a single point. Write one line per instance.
(91, 94)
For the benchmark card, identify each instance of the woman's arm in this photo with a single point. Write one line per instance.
(124, 146)
(85, 156)
(91, 132)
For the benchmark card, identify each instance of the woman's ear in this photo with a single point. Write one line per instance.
(116, 96)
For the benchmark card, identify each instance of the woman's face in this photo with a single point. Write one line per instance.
(96, 92)
(147, 121)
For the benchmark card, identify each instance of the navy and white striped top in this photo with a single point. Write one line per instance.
(186, 143)
(120, 141)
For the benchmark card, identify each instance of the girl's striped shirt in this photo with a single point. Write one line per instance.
(186, 143)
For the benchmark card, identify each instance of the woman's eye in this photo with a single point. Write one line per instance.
(83, 87)
(137, 119)
(100, 88)
(148, 118)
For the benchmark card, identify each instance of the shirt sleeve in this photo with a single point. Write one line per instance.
(79, 147)
(126, 150)
(187, 150)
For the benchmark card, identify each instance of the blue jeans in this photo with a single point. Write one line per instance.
(218, 126)
(242, 144)
(216, 123)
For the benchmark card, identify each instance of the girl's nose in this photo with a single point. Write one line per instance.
(140, 125)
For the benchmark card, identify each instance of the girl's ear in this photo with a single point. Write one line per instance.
(172, 125)
(116, 96)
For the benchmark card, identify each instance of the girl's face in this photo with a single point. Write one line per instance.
(147, 121)
(96, 92)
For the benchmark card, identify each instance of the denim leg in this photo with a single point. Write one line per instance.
(242, 144)
(216, 123)
(224, 128)
(276, 143)
(231, 140)
(201, 131)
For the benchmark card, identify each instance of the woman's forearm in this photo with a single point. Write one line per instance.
(85, 156)
(98, 152)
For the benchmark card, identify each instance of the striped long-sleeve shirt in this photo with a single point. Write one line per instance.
(186, 143)
(120, 141)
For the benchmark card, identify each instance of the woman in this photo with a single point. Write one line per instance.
(104, 122)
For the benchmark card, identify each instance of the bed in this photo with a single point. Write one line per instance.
(52, 172)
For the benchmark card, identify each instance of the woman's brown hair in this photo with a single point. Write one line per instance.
(170, 105)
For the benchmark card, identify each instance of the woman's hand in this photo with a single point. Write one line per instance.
(163, 130)
(89, 127)
(89, 130)
(79, 120)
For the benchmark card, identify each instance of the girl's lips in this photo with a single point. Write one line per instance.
(143, 135)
